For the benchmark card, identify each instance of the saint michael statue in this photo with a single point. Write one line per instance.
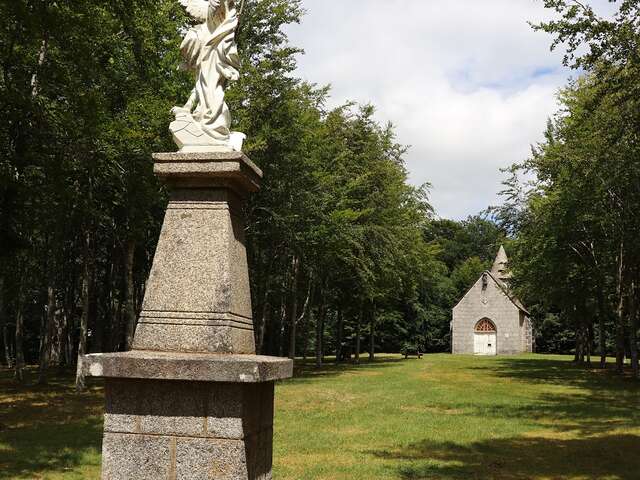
(209, 50)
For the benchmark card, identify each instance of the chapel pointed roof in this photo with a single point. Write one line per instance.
(500, 269)
(501, 275)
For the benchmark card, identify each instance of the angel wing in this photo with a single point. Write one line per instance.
(199, 9)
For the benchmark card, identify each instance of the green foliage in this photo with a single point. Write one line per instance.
(576, 223)
(468, 272)
(344, 253)
(87, 89)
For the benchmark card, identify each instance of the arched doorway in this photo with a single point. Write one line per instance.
(485, 338)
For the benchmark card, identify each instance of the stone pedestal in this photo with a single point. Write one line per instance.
(192, 401)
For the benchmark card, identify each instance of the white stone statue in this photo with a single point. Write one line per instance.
(210, 50)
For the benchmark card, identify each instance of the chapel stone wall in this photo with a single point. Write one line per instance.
(491, 303)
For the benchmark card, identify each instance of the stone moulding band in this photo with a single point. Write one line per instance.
(199, 157)
(204, 324)
(192, 314)
(198, 206)
(200, 319)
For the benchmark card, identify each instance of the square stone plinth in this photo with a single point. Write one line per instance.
(233, 169)
(177, 430)
(187, 416)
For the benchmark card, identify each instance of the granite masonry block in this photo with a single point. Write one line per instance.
(194, 409)
(207, 459)
(227, 417)
(136, 457)
(155, 407)
(194, 338)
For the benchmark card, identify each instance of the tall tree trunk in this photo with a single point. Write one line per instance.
(261, 322)
(620, 330)
(57, 344)
(372, 335)
(590, 340)
(110, 319)
(119, 333)
(7, 346)
(282, 317)
(305, 334)
(295, 267)
(3, 325)
(578, 312)
(274, 329)
(19, 341)
(578, 350)
(130, 311)
(322, 312)
(19, 329)
(282, 325)
(47, 334)
(262, 326)
(70, 326)
(87, 279)
(68, 339)
(602, 325)
(358, 325)
(104, 329)
(339, 336)
(100, 318)
(633, 330)
(67, 323)
(42, 55)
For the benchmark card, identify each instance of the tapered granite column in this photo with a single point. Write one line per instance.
(192, 401)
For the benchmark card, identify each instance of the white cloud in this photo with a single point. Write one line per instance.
(467, 83)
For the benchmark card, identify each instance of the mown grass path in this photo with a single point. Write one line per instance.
(442, 417)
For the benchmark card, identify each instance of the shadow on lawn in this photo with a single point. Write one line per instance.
(47, 427)
(588, 431)
(611, 456)
(306, 371)
(601, 403)
(557, 372)
(49, 447)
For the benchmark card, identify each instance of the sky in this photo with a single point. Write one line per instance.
(468, 84)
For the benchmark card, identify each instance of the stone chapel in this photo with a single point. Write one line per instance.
(490, 320)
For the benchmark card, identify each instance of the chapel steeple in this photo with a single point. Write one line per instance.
(500, 269)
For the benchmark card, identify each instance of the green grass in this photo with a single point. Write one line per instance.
(442, 417)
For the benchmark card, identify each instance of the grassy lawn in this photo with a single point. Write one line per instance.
(442, 417)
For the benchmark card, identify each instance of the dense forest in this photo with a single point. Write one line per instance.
(345, 255)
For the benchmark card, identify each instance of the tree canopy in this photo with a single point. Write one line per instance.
(576, 224)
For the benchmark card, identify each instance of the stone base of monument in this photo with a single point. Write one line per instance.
(187, 416)
(192, 401)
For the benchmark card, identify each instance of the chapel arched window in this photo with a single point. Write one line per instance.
(485, 326)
